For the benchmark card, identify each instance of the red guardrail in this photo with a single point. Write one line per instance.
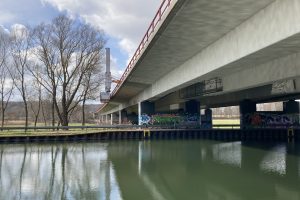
(157, 18)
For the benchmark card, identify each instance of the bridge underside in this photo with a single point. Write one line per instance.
(251, 46)
(190, 27)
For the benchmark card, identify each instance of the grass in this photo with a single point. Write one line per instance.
(42, 124)
(47, 132)
(83, 131)
(226, 121)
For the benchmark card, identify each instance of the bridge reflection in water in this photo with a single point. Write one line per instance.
(177, 169)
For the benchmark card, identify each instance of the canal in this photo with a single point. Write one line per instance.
(141, 170)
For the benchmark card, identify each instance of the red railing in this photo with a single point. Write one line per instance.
(157, 18)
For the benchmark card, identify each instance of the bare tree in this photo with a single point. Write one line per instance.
(68, 50)
(44, 104)
(19, 53)
(6, 88)
(35, 100)
(91, 86)
(45, 74)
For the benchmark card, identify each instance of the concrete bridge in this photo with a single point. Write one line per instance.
(205, 54)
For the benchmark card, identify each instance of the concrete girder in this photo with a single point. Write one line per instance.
(262, 49)
(268, 27)
(189, 27)
(287, 67)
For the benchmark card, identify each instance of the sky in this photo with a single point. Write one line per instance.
(123, 22)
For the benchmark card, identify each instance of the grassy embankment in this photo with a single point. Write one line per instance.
(81, 131)
(44, 131)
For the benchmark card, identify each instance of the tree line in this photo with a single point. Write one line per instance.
(58, 63)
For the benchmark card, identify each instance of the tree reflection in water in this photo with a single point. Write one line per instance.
(55, 171)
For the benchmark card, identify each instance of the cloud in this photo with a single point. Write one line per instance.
(125, 20)
(18, 31)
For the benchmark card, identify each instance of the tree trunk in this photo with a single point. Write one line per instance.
(23, 92)
(43, 113)
(83, 113)
(2, 111)
(53, 113)
(37, 115)
(65, 120)
(26, 115)
(2, 118)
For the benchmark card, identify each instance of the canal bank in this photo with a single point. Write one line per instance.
(165, 134)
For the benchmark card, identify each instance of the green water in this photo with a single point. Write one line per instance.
(145, 170)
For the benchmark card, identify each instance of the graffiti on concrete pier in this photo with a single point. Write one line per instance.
(268, 120)
(170, 119)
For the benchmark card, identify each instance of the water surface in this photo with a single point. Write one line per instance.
(141, 170)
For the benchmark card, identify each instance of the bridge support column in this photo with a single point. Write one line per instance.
(100, 119)
(192, 107)
(111, 118)
(147, 108)
(124, 116)
(247, 107)
(208, 118)
(291, 107)
(106, 119)
(120, 116)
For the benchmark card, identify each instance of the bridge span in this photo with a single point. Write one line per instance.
(205, 54)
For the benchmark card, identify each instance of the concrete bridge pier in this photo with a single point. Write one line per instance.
(120, 117)
(115, 118)
(206, 119)
(247, 107)
(192, 107)
(111, 118)
(145, 107)
(123, 118)
(291, 107)
(106, 119)
(102, 121)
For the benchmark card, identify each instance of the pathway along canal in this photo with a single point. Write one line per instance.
(151, 169)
